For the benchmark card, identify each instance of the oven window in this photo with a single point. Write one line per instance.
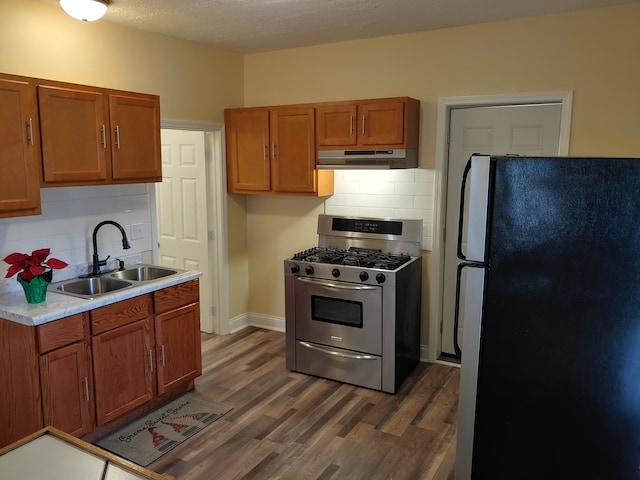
(335, 310)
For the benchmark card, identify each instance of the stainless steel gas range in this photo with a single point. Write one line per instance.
(353, 302)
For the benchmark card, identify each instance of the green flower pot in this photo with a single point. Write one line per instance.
(35, 291)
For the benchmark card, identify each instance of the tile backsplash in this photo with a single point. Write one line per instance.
(69, 215)
(386, 193)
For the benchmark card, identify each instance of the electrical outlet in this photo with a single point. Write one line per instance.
(137, 231)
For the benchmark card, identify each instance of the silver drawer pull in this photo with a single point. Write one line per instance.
(86, 388)
(30, 125)
(329, 351)
(337, 286)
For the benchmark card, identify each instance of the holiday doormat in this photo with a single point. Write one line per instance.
(147, 438)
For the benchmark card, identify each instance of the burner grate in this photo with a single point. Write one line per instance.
(354, 256)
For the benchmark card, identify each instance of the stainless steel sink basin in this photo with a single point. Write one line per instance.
(143, 273)
(91, 287)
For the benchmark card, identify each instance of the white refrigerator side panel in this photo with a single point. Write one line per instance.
(478, 207)
(473, 303)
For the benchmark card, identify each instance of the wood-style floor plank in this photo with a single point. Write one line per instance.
(290, 426)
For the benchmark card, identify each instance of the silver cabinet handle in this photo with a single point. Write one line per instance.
(118, 137)
(273, 150)
(330, 351)
(103, 132)
(162, 354)
(350, 124)
(86, 388)
(337, 286)
(364, 119)
(266, 152)
(151, 360)
(30, 124)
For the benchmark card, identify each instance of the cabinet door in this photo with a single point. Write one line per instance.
(67, 389)
(73, 124)
(248, 153)
(293, 150)
(178, 347)
(123, 369)
(20, 408)
(381, 123)
(135, 129)
(19, 156)
(336, 125)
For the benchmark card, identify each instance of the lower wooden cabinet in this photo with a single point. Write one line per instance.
(123, 363)
(66, 377)
(178, 336)
(20, 406)
(86, 370)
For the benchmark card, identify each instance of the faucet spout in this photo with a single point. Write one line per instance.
(97, 263)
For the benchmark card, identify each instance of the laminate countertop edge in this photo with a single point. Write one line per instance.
(15, 308)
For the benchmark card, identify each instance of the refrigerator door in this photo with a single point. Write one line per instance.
(470, 306)
(558, 373)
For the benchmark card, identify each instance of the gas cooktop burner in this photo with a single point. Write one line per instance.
(357, 257)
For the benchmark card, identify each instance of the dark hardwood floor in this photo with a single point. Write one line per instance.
(286, 425)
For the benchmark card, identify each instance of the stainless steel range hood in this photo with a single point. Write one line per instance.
(367, 159)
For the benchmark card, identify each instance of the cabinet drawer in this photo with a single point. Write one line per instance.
(61, 332)
(120, 313)
(176, 296)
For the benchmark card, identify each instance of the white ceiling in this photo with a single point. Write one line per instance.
(249, 26)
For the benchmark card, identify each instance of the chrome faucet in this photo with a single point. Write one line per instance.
(97, 263)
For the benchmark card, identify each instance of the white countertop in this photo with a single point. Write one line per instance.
(14, 306)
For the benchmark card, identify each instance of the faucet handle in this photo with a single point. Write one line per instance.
(102, 263)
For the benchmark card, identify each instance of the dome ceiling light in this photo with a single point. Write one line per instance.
(85, 10)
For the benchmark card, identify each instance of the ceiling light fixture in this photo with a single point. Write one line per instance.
(85, 10)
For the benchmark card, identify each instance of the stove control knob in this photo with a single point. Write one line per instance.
(335, 272)
(295, 268)
(309, 270)
(380, 278)
(364, 276)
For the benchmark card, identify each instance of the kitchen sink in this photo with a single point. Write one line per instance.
(143, 273)
(91, 287)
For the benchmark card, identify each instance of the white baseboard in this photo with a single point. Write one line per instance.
(256, 320)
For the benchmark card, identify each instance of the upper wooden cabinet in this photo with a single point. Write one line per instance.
(379, 123)
(93, 136)
(19, 151)
(75, 126)
(271, 150)
(135, 129)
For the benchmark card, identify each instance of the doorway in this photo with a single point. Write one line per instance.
(190, 216)
(528, 124)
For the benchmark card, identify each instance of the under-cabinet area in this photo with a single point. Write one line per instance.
(84, 372)
(55, 134)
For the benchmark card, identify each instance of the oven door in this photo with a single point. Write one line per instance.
(341, 314)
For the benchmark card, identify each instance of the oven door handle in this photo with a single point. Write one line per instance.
(339, 286)
(330, 351)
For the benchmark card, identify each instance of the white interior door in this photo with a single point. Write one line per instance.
(532, 130)
(182, 211)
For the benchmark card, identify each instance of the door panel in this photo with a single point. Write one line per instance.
(492, 130)
(182, 211)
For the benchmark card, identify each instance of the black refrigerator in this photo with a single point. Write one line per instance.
(550, 372)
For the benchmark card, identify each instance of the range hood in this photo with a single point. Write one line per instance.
(367, 159)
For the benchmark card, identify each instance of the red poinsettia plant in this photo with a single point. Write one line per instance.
(29, 266)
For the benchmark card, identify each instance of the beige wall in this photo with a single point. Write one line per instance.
(195, 82)
(593, 52)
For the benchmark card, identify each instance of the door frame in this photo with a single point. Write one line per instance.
(445, 105)
(215, 166)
